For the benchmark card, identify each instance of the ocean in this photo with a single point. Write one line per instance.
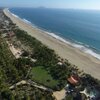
(79, 28)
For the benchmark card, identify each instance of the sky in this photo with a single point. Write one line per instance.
(72, 4)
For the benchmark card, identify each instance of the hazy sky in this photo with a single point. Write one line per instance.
(76, 4)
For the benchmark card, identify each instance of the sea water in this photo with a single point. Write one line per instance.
(79, 28)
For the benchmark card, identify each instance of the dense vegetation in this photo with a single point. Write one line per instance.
(37, 64)
(26, 92)
(6, 63)
(46, 57)
(14, 70)
(45, 70)
(8, 73)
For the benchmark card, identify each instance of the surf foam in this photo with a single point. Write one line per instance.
(80, 46)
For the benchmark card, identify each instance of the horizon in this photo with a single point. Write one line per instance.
(53, 8)
(56, 4)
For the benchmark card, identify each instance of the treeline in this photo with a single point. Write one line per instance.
(32, 93)
(49, 60)
(12, 71)
(8, 73)
(46, 57)
(6, 63)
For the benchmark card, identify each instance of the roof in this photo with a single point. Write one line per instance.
(74, 79)
(91, 92)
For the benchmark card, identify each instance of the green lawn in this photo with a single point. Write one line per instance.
(40, 75)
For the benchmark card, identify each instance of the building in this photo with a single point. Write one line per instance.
(91, 93)
(74, 80)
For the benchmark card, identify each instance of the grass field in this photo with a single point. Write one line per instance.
(40, 75)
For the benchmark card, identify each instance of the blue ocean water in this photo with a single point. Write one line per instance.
(79, 26)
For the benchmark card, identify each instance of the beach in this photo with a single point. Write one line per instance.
(85, 62)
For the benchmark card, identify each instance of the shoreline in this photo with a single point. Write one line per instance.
(79, 45)
(85, 62)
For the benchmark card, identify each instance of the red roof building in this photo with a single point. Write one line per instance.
(74, 79)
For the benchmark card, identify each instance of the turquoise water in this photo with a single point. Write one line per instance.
(81, 27)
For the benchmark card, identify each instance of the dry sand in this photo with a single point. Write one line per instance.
(85, 62)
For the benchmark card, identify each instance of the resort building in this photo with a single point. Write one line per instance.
(91, 93)
(74, 80)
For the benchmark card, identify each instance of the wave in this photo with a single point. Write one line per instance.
(12, 13)
(87, 50)
(29, 22)
(25, 20)
(81, 46)
(15, 15)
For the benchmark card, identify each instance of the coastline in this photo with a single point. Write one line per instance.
(84, 61)
(79, 45)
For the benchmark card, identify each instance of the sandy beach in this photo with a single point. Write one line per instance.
(85, 62)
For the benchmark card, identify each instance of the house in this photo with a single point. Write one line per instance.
(91, 93)
(60, 63)
(74, 80)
